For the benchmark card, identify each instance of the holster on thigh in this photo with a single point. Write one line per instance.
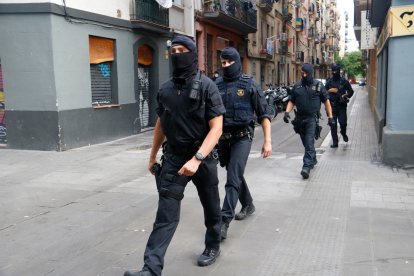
(178, 179)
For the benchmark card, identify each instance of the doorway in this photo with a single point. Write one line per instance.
(145, 63)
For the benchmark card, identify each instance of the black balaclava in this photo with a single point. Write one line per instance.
(184, 64)
(232, 72)
(336, 72)
(309, 74)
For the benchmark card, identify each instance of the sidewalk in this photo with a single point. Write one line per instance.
(89, 211)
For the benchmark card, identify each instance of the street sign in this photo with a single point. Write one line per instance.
(368, 34)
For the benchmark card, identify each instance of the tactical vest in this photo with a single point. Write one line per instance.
(335, 97)
(308, 101)
(236, 98)
(183, 116)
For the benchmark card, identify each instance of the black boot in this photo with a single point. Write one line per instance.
(138, 273)
(343, 133)
(334, 145)
(305, 173)
(208, 257)
(224, 228)
(245, 212)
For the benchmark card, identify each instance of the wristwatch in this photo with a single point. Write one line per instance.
(199, 156)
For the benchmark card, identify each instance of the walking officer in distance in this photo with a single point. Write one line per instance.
(190, 117)
(340, 90)
(245, 103)
(307, 96)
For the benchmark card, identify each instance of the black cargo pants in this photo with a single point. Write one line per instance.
(339, 115)
(236, 186)
(308, 140)
(168, 214)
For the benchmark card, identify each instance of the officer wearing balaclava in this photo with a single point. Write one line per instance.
(307, 95)
(340, 90)
(190, 120)
(183, 58)
(245, 103)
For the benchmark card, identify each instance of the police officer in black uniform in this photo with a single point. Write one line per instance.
(307, 95)
(244, 102)
(190, 113)
(340, 90)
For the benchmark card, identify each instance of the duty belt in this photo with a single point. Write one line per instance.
(184, 150)
(235, 134)
(304, 115)
(187, 150)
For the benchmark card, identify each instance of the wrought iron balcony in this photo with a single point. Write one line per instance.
(235, 14)
(284, 48)
(300, 56)
(287, 16)
(266, 5)
(150, 16)
(311, 33)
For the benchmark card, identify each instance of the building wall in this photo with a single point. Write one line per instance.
(226, 38)
(181, 17)
(113, 8)
(26, 53)
(47, 82)
(399, 112)
(394, 100)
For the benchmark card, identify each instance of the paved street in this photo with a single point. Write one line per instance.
(89, 211)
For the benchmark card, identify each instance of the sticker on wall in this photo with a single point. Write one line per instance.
(3, 130)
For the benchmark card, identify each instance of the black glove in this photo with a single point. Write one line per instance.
(286, 117)
(343, 99)
(331, 122)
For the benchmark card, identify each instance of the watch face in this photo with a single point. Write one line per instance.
(199, 156)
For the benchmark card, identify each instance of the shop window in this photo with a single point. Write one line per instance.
(102, 68)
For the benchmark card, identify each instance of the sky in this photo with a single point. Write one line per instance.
(348, 5)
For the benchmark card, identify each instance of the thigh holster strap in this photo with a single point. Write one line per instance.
(179, 179)
(167, 193)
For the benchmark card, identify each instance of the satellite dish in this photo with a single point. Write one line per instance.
(165, 3)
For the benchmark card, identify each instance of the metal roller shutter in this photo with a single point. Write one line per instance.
(101, 83)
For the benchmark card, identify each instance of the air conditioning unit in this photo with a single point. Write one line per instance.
(283, 37)
(282, 59)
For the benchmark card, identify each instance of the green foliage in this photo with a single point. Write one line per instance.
(352, 64)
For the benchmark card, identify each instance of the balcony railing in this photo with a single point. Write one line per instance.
(151, 13)
(235, 14)
(266, 5)
(299, 56)
(284, 48)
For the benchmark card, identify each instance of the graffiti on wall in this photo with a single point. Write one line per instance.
(143, 90)
(3, 137)
(105, 70)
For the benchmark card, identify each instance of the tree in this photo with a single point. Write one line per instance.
(352, 64)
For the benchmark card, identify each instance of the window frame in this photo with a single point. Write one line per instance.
(113, 78)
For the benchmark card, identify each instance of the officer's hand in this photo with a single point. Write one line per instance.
(266, 149)
(151, 166)
(331, 121)
(286, 117)
(190, 168)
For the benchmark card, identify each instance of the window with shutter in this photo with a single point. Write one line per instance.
(101, 59)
